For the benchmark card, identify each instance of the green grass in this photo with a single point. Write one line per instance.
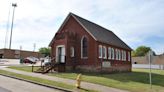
(135, 81)
(24, 68)
(44, 81)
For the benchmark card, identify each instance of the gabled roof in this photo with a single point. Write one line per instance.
(99, 33)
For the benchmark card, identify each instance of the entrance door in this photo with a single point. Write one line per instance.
(60, 54)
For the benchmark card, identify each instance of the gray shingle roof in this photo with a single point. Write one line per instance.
(101, 34)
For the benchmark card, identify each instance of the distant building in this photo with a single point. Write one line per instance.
(85, 46)
(157, 59)
(16, 54)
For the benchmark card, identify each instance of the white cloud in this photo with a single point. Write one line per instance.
(36, 21)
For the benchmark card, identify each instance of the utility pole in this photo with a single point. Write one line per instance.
(150, 61)
(13, 5)
(7, 29)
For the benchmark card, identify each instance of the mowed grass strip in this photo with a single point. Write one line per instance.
(25, 68)
(38, 80)
(44, 81)
(135, 81)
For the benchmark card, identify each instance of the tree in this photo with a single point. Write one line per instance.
(46, 51)
(141, 51)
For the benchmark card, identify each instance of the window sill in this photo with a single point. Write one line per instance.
(100, 57)
(84, 57)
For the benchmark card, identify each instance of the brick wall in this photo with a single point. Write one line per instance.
(70, 35)
(15, 54)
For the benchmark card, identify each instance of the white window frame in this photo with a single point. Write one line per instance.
(100, 51)
(109, 52)
(104, 52)
(72, 50)
(82, 57)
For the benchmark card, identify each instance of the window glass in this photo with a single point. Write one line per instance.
(112, 53)
(100, 51)
(129, 56)
(109, 52)
(84, 47)
(104, 52)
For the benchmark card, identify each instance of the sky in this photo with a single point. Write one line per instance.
(136, 22)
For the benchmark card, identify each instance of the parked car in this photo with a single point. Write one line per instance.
(31, 60)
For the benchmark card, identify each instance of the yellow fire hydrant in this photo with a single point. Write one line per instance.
(78, 81)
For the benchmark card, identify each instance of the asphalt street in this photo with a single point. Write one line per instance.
(13, 85)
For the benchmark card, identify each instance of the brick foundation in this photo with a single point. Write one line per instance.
(98, 69)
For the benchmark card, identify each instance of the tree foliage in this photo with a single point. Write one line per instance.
(46, 51)
(141, 51)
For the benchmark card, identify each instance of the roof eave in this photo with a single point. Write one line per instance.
(65, 21)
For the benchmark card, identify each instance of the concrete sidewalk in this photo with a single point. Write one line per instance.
(85, 85)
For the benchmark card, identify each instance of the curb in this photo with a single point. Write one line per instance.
(58, 88)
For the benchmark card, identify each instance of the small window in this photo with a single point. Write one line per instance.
(72, 52)
(109, 52)
(129, 56)
(112, 53)
(100, 51)
(104, 52)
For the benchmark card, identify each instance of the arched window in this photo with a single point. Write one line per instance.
(84, 47)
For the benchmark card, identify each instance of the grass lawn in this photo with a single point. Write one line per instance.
(44, 81)
(136, 81)
(24, 68)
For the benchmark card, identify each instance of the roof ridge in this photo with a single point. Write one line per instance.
(95, 24)
(99, 33)
(90, 22)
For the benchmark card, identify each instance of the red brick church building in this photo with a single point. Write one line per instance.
(85, 46)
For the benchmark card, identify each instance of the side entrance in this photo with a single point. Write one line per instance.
(60, 57)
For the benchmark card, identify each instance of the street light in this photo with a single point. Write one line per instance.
(13, 5)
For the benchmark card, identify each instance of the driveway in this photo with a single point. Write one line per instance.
(12, 85)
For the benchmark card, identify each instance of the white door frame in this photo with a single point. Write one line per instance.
(62, 52)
